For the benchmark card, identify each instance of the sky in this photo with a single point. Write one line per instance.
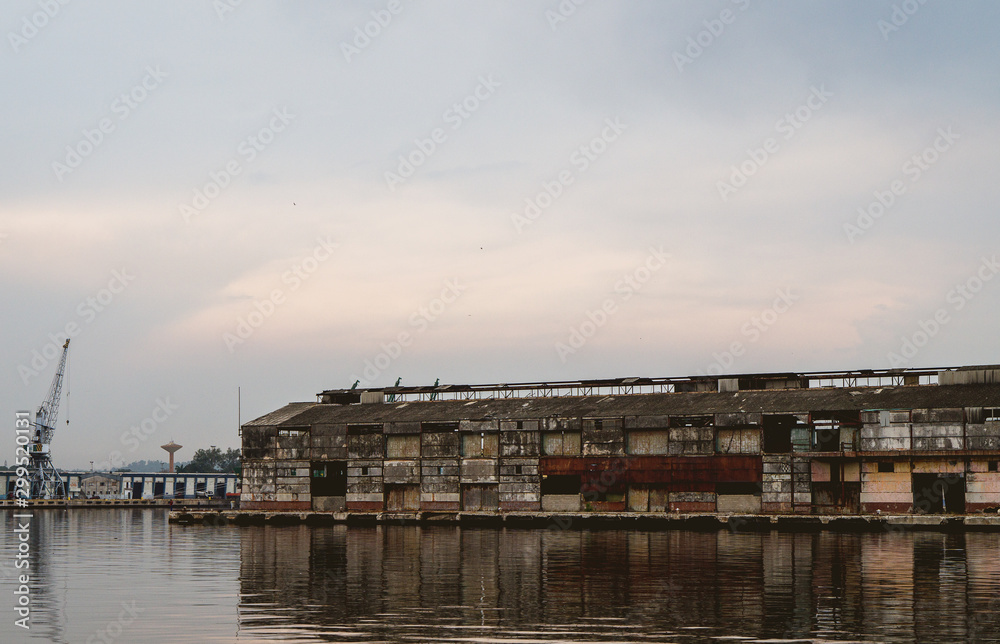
(229, 206)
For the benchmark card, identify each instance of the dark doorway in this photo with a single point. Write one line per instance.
(136, 489)
(938, 493)
(158, 487)
(561, 484)
(778, 433)
(179, 486)
(220, 488)
(329, 478)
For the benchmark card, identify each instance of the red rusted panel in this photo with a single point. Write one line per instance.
(364, 506)
(693, 506)
(661, 469)
(608, 506)
(579, 464)
(519, 506)
(441, 505)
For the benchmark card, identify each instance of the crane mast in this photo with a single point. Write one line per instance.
(46, 482)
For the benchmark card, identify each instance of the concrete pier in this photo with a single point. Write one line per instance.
(116, 503)
(605, 520)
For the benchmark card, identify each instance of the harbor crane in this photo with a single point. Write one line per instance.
(45, 480)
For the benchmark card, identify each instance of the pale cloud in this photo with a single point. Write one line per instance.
(323, 177)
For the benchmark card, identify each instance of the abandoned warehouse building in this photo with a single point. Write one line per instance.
(858, 442)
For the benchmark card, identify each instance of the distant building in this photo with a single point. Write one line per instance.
(99, 485)
(901, 440)
(143, 485)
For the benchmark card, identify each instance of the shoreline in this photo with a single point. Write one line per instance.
(705, 522)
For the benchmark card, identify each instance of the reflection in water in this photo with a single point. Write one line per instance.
(449, 584)
(445, 583)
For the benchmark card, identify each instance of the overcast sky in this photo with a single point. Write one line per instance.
(270, 195)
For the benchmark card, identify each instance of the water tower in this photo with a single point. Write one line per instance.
(171, 447)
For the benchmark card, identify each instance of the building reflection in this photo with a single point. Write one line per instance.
(438, 580)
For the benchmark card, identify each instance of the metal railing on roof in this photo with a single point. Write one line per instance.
(633, 386)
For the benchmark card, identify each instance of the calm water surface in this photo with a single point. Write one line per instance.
(129, 576)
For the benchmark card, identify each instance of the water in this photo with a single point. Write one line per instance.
(129, 576)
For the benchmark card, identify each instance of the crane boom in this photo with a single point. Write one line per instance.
(46, 482)
(48, 411)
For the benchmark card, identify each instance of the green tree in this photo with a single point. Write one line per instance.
(213, 460)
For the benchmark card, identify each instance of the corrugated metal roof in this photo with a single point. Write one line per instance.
(774, 401)
(283, 415)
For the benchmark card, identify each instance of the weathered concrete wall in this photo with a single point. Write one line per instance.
(738, 441)
(292, 447)
(561, 503)
(801, 485)
(985, 436)
(479, 470)
(329, 503)
(481, 445)
(603, 437)
(365, 446)
(519, 443)
(520, 484)
(440, 444)
(933, 466)
(401, 471)
(692, 501)
(480, 497)
(878, 438)
(402, 445)
(258, 483)
(777, 484)
(738, 503)
(692, 441)
(938, 436)
(364, 485)
(886, 491)
(439, 483)
(647, 441)
(982, 489)
(328, 442)
(562, 443)
(644, 498)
